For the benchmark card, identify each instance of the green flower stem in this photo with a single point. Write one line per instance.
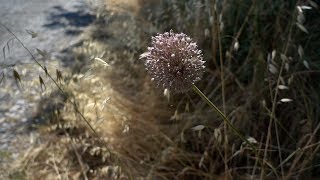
(234, 129)
(225, 119)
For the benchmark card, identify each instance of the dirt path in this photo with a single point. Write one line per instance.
(116, 37)
(58, 25)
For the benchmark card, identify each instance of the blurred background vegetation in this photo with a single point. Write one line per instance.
(262, 69)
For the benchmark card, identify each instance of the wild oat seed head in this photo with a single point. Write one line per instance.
(174, 61)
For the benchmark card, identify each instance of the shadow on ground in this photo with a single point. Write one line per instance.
(73, 21)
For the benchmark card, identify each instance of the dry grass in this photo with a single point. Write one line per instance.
(146, 136)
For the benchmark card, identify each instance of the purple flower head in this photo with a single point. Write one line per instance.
(173, 61)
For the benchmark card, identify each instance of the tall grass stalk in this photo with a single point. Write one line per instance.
(233, 128)
(223, 116)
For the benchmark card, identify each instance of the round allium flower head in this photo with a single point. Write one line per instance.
(174, 61)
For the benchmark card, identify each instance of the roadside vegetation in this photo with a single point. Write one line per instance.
(105, 119)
